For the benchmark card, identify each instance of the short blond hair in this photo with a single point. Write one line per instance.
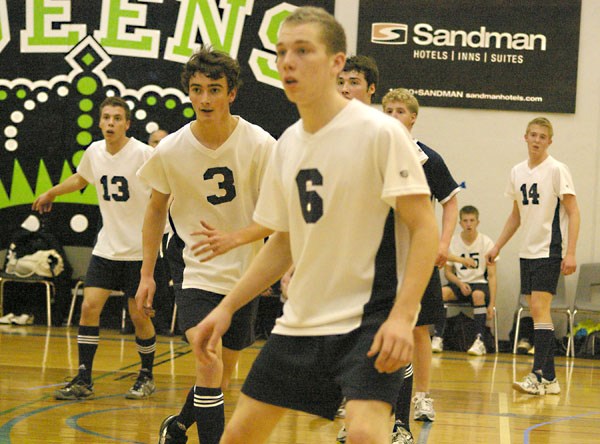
(404, 96)
(541, 121)
(332, 32)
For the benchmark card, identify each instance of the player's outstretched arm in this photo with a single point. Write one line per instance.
(393, 343)
(43, 204)
(493, 286)
(217, 242)
(510, 227)
(569, 262)
(468, 262)
(449, 217)
(269, 265)
(152, 231)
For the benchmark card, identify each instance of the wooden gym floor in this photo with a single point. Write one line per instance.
(473, 396)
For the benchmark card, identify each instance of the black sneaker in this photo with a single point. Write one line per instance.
(142, 388)
(76, 389)
(171, 433)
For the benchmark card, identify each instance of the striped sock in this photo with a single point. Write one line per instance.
(403, 401)
(87, 344)
(146, 349)
(543, 360)
(209, 410)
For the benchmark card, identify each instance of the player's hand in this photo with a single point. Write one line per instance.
(491, 255)
(43, 204)
(441, 258)
(207, 334)
(215, 242)
(469, 262)
(144, 297)
(465, 289)
(393, 345)
(568, 265)
(490, 312)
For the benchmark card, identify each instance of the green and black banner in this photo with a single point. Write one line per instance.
(487, 54)
(60, 58)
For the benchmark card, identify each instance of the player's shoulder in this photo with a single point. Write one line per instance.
(253, 130)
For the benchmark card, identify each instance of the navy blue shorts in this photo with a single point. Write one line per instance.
(194, 304)
(114, 275)
(313, 373)
(432, 304)
(540, 275)
(485, 288)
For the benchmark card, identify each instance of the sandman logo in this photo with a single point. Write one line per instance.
(389, 33)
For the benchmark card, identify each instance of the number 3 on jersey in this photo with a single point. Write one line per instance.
(531, 194)
(310, 201)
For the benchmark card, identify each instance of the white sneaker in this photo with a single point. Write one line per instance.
(341, 411)
(478, 348)
(531, 351)
(23, 319)
(7, 319)
(523, 346)
(423, 407)
(342, 435)
(531, 385)
(551, 387)
(437, 344)
(400, 435)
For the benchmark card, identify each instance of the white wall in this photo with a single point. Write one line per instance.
(480, 147)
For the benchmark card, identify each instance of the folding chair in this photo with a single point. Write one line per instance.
(587, 296)
(466, 304)
(38, 280)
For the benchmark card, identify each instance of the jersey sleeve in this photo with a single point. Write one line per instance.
(562, 180)
(84, 169)
(271, 208)
(153, 174)
(264, 154)
(509, 190)
(443, 186)
(397, 159)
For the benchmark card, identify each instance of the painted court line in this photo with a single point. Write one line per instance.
(504, 419)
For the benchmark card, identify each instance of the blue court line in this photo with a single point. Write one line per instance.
(424, 434)
(72, 422)
(566, 418)
(105, 375)
(6, 428)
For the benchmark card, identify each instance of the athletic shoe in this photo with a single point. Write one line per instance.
(171, 431)
(342, 435)
(478, 348)
(523, 346)
(551, 387)
(400, 435)
(7, 319)
(531, 385)
(423, 407)
(76, 389)
(23, 319)
(142, 388)
(531, 351)
(341, 411)
(437, 344)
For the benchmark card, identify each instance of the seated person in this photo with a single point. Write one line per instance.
(476, 285)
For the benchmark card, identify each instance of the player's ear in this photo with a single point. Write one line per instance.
(232, 95)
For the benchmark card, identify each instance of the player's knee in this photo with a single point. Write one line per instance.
(447, 294)
(363, 432)
(478, 297)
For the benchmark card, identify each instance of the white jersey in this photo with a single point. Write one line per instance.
(218, 186)
(538, 193)
(332, 191)
(122, 197)
(476, 251)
